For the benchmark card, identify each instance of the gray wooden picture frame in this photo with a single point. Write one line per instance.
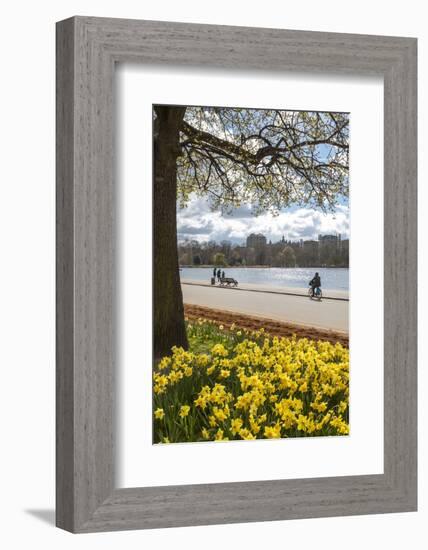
(87, 50)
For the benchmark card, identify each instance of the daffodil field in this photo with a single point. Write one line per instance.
(238, 384)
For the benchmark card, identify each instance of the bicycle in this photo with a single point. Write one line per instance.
(317, 294)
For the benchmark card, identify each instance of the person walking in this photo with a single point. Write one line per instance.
(222, 275)
(219, 274)
(215, 272)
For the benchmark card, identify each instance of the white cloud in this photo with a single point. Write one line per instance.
(197, 221)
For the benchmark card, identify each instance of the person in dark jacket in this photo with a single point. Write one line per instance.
(215, 272)
(222, 275)
(315, 283)
(218, 274)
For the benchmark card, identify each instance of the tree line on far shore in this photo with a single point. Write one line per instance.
(280, 254)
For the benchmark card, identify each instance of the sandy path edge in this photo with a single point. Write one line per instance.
(272, 327)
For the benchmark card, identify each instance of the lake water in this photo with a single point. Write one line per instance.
(331, 278)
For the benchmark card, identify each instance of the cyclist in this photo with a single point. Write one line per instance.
(315, 283)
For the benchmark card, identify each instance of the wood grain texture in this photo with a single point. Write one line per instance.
(87, 49)
(64, 276)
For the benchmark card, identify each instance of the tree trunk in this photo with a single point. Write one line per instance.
(169, 327)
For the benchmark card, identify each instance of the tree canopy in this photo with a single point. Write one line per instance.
(268, 158)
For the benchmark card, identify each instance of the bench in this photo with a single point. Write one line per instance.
(228, 281)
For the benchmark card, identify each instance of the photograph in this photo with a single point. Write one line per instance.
(250, 273)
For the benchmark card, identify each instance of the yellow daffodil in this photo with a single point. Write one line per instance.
(184, 411)
(220, 350)
(236, 425)
(159, 413)
(246, 434)
(219, 436)
(273, 431)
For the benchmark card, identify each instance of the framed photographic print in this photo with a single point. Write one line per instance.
(236, 274)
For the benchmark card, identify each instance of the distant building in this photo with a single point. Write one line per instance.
(256, 240)
(311, 246)
(344, 246)
(330, 240)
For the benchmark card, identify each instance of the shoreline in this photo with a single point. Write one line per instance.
(328, 294)
(208, 266)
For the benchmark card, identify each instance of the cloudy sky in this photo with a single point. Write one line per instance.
(197, 221)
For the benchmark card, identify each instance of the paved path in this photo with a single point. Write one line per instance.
(328, 313)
